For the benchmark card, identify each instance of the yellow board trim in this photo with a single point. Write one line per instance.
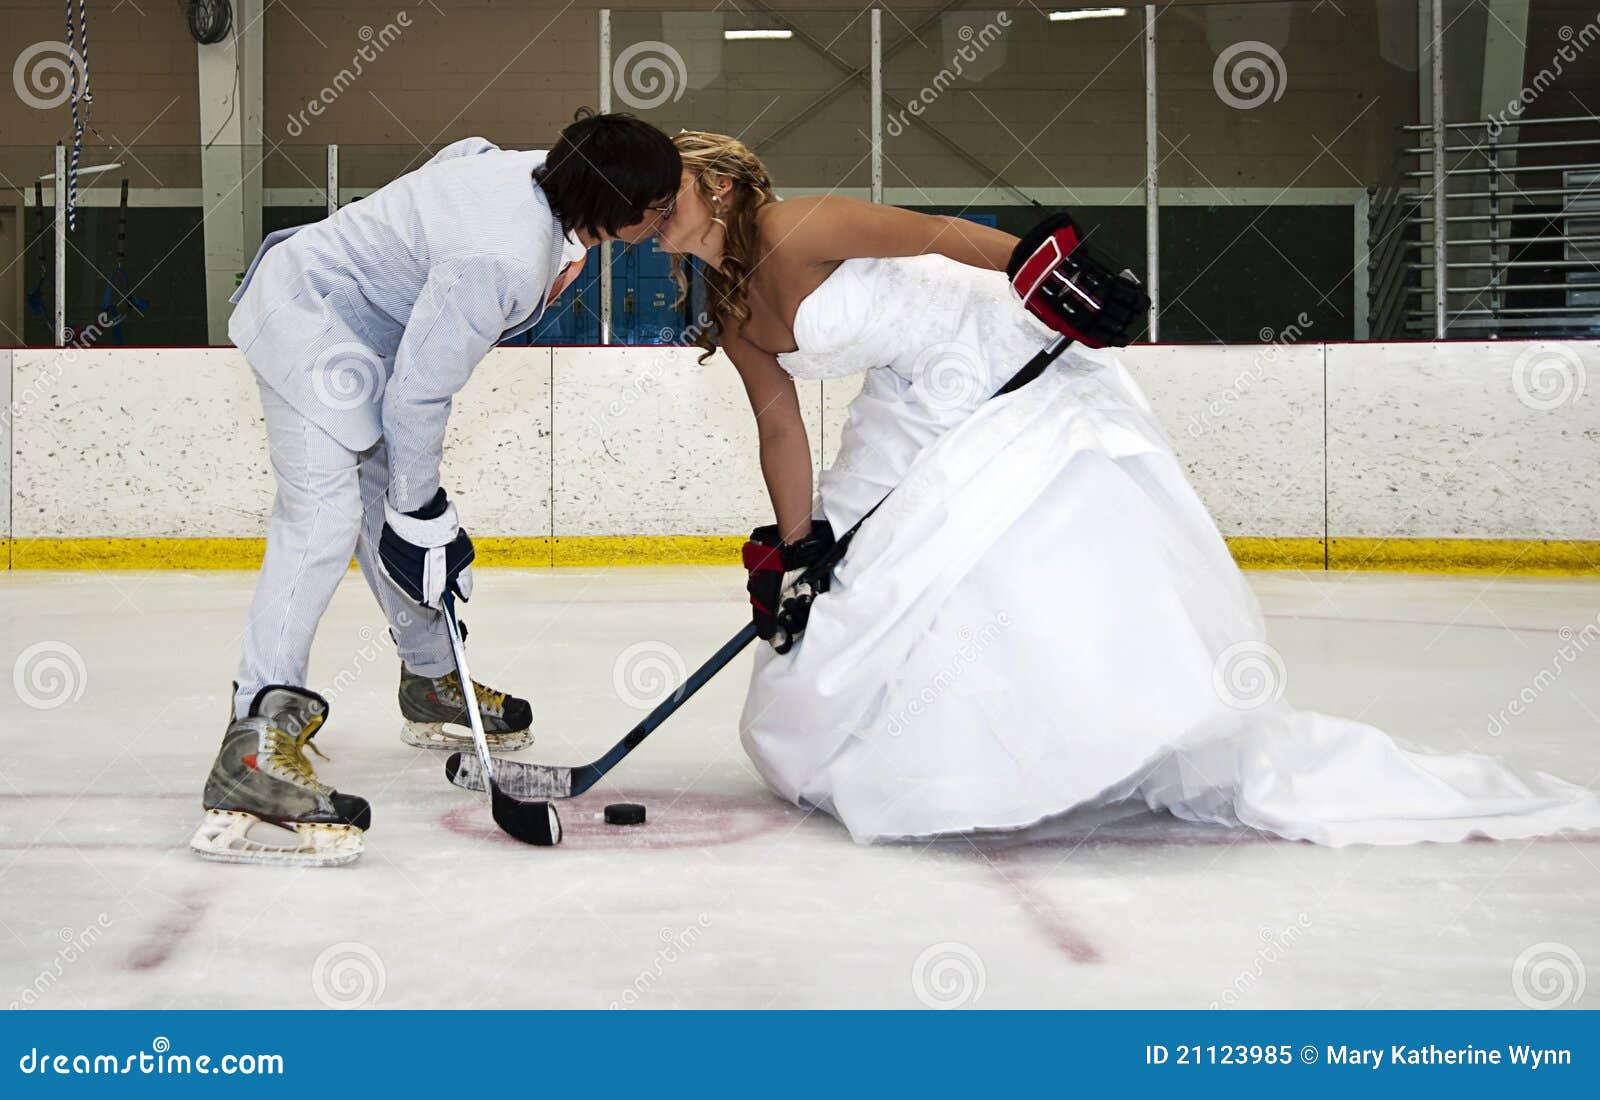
(648, 550)
(1264, 553)
(512, 551)
(592, 550)
(1535, 557)
(162, 553)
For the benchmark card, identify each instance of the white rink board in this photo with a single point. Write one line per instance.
(651, 442)
(1464, 440)
(138, 443)
(1247, 424)
(497, 449)
(5, 442)
(151, 443)
(1422, 440)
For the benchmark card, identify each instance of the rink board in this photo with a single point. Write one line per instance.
(1449, 456)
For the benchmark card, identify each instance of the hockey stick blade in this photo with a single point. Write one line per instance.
(556, 781)
(532, 822)
(512, 776)
(529, 822)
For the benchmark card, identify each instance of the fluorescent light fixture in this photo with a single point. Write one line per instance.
(735, 36)
(85, 171)
(1086, 13)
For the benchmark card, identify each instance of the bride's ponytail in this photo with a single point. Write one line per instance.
(707, 156)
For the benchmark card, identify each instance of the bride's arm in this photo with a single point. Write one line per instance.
(785, 451)
(827, 228)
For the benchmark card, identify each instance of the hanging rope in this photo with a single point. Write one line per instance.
(79, 119)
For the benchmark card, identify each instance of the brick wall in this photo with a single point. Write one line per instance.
(1062, 106)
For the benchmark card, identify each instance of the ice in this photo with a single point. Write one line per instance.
(728, 897)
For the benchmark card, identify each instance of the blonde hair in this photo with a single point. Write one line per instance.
(707, 156)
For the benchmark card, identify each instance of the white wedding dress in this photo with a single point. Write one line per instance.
(1043, 616)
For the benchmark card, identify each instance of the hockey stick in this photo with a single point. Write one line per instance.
(528, 821)
(554, 781)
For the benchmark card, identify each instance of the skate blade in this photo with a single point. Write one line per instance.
(232, 836)
(434, 735)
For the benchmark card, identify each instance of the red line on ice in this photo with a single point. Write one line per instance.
(1044, 912)
(163, 940)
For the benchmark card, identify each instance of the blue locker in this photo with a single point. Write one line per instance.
(585, 311)
(655, 319)
(574, 319)
(642, 293)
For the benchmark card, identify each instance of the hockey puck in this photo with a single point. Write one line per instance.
(624, 813)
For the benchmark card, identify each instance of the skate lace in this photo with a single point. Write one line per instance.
(488, 698)
(286, 752)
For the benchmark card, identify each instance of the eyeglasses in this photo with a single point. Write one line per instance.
(665, 210)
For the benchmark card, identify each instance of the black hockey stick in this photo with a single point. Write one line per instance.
(555, 781)
(531, 822)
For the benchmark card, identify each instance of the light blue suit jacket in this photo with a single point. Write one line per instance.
(370, 321)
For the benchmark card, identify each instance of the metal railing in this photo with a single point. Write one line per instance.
(1518, 227)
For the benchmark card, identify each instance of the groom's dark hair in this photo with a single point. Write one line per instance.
(606, 169)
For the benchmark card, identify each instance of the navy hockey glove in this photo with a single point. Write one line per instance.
(426, 553)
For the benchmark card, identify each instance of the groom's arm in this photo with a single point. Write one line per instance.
(464, 307)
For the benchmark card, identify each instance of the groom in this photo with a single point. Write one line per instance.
(361, 329)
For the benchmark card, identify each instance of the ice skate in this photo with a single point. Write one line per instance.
(429, 703)
(263, 801)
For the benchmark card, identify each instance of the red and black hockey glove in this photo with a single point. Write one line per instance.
(780, 592)
(1073, 289)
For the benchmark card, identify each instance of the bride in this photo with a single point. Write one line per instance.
(1042, 616)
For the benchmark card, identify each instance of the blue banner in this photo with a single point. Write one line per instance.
(814, 1055)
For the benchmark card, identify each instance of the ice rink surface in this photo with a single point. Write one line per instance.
(728, 897)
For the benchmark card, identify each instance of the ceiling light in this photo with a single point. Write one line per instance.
(1086, 13)
(735, 36)
(85, 171)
